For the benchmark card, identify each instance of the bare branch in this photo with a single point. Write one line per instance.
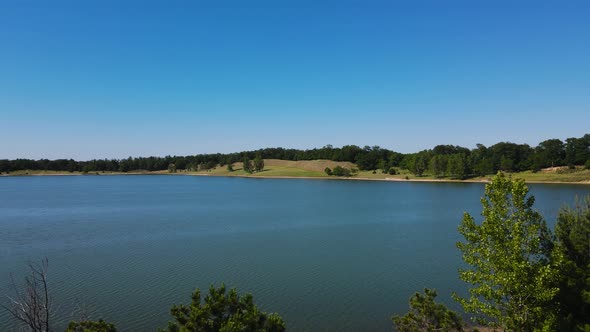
(31, 304)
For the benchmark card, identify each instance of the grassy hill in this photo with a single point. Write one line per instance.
(315, 169)
(283, 168)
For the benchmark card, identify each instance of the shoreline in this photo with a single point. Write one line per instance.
(425, 180)
(386, 179)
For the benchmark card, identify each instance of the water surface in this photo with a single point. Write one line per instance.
(327, 255)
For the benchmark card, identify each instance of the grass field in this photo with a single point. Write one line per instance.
(578, 175)
(315, 168)
(283, 168)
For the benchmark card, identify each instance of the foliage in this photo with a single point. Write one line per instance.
(572, 233)
(392, 171)
(247, 165)
(512, 281)
(438, 165)
(258, 164)
(457, 166)
(577, 150)
(507, 164)
(171, 168)
(418, 163)
(222, 311)
(230, 167)
(91, 326)
(427, 316)
(341, 171)
(328, 171)
(479, 161)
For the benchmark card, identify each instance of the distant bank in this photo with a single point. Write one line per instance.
(317, 169)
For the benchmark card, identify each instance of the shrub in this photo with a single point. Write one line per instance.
(328, 171)
(341, 171)
(427, 315)
(221, 310)
(91, 326)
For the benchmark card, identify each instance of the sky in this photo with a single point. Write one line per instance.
(112, 79)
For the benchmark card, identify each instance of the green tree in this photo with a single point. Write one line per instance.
(438, 165)
(552, 151)
(247, 165)
(506, 164)
(457, 166)
(572, 233)
(418, 163)
(328, 171)
(341, 171)
(258, 164)
(512, 280)
(482, 163)
(222, 311)
(577, 150)
(91, 326)
(427, 316)
(383, 166)
(171, 168)
(230, 167)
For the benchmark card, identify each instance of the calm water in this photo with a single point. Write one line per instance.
(326, 255)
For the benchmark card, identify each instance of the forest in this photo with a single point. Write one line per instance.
(442, 160)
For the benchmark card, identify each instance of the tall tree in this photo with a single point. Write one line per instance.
(438, 165)
(418, 163)
(457, 166)
(552, 151)
(247, 165)
(258, 163)
(572, 233)
(512, 279)
(577, 150)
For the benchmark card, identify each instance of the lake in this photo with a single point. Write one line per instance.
(326, 255)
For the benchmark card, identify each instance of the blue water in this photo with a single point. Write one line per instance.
(326, 255)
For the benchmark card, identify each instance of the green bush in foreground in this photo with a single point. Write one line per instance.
(91, 326)
(222, 311)
(428, 316)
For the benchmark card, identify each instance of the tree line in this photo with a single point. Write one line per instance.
(441, 161)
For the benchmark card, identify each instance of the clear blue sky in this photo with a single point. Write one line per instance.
(96, 79)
